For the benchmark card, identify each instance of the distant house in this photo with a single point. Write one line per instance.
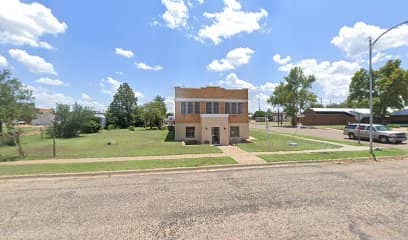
(211, 115)
(399, 117)
(333, 116)
(43, 117)
(102, 118)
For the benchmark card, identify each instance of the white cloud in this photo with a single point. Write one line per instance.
(333, 77)
(109, 85)
(25, 23)
(169, 101)
(49, 81)
(45, 98)
(176, 14)
(257, 94)
(144, 66)
(230, 22)
(354, 40)
(3, 61)
(86, 97)
(278, 59)
(232, 81)
(35, 64)
(380, 57)
(124, 53)
(200, 1)
(234, 58)
(268, 87)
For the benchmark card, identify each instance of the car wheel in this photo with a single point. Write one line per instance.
(352, 136)
(384, 139)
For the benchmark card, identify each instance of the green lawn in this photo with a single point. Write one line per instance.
(112, 166)
(338, 127)
(140, 142)
(332, 155)
(273, 142)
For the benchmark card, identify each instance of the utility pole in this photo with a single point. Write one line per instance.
(371, 44)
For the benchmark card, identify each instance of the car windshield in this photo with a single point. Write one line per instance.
(382, 128)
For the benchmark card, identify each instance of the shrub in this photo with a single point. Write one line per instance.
(91, 126)
(132, 128)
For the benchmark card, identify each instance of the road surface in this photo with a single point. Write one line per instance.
(324, 201)
(329, 134)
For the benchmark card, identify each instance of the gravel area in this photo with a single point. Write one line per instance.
(321, 201)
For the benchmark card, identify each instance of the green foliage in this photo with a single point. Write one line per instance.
(390, 88)
(93, 125)
(70, 121)
(154, 113)
(259, 114)
(295, 93)
(16, 101)
(132, 128)
(121, 111)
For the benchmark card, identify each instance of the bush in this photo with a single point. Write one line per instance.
(91, 126)
(132, 128)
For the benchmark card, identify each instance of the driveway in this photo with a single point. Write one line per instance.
(325, 201)
(329, 134)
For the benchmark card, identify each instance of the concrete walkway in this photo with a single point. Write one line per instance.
(241, 156)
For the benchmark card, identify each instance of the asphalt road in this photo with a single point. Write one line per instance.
(329, 134)
(324, 201)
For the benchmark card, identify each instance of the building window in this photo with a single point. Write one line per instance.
(208, 107)
(197, 107)
(227, 107)
(190, 107)
(234, 132)
(190, 132)
(233, 108)
(216, 107)
(212, 107)
(240, 108)
(183, 108)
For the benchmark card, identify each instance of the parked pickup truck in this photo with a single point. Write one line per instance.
(380, 133)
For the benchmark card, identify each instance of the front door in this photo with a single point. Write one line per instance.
(215, 133)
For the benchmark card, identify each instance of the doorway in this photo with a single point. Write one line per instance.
(215, 135)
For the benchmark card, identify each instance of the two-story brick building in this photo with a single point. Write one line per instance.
(211, 115)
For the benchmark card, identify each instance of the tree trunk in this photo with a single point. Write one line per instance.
(1, 133)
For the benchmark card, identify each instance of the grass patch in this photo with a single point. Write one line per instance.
(338, 127)
(273, 142)
(332, 155)
(112, 166)
(141, 142)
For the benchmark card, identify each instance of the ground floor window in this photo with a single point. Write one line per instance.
(190, 132)
(234, 132)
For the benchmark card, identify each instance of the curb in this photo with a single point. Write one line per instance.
(197, 169)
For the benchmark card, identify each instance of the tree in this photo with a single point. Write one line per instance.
(121, 112)
(15, 100)
(390, 88)
(154, 112)
(70, 121)
(295, 93)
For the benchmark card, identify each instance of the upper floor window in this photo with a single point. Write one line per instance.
(190, 107)
(234, 108)
(212, 107)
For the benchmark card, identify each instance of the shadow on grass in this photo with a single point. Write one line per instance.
(171, 135)
(9, 158)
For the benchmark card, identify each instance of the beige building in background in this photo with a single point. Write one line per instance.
(211, 115)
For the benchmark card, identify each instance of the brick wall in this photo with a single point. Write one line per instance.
(326, 119)
(211, 93)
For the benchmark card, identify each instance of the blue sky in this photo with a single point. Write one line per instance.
(80, 51)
